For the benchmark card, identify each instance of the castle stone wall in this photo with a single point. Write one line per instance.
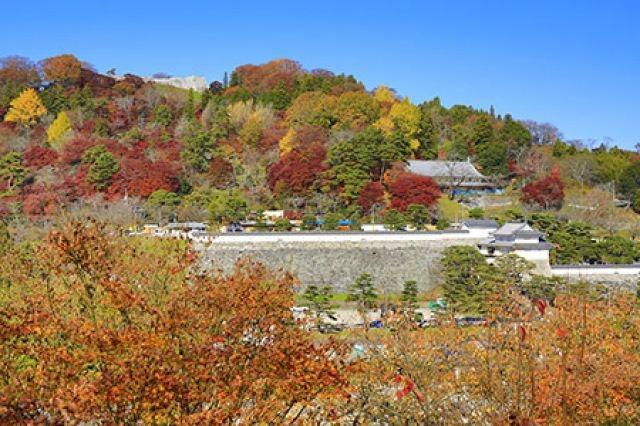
(339, 262)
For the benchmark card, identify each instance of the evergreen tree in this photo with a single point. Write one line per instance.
(356, 224)
(102, 170)
(482, 132)
(331, 222)
(12, 172)
(514, 269)
(5, 238)
(198, 147)
(418, 216)
(54, 99)
(493, 157)
(162, 115)
(283, 225)
(464, 271)
(427, 134)
(356, 161)
(394, 220)
(308, 222)
(409, 296)
(261, 221)
(475, 213)
(514, 133)
(364, 294)
(320, 304)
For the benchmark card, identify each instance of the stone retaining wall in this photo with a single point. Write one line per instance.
(337, 259)
(339, 263)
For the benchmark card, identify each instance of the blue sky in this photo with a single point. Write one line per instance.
(573, 64)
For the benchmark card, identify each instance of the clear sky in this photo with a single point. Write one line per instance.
(575, 64)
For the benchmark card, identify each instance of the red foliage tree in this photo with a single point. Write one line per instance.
(220, 173)
(371, 193)
(270, 138)
(546, 192)
(297, 171)
(99, 84)
(36, 156)
(73, 150)
(40, 201)
(265, 77)
(142, 177)
(413, 189)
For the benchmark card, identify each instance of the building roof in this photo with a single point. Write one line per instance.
(445, 169)
(502, 245)
(517, 229)
(481, 223)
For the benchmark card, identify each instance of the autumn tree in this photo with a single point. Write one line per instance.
(26, 108)
(16, 75)
(372, 193)
(546, 192)
(180, 336)
(413, 189)
(251, 131)
(298, 172)
(355, 110)
(406, 119)
(59, 131)
(64, 69)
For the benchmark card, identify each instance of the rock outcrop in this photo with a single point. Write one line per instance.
(194, 82)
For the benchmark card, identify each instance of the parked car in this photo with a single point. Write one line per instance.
(376, 324)
(466, 321)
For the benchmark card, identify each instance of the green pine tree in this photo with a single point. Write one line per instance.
(102, 170)
(409, 297)
(364, 294)
(320, 303)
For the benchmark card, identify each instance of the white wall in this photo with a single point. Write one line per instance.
(337, 237)
(595, 270)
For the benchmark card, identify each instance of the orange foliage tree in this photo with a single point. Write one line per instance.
(64, 69)
(107, 330)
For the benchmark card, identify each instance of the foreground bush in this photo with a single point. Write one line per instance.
(117, 331)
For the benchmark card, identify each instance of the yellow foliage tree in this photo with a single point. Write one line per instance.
(384, 96)
(288, 142)
(406, 118)
(252, 130)
(59, 131)
(26, 108)
(385, 124)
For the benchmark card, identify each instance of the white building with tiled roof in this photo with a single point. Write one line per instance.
(452, 174)
(521, 239)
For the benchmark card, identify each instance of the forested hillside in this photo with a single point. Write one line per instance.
(269, 136)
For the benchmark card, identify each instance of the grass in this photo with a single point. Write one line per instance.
(177, 91)
(451, 210)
